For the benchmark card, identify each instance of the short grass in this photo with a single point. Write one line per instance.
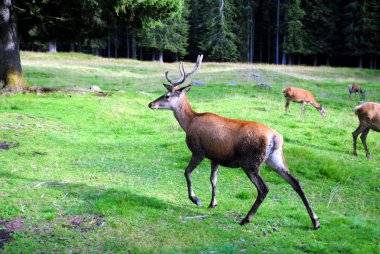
(105, 174)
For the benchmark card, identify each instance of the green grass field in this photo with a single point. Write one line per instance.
(89, 174)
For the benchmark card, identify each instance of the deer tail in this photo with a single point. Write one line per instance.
(357, 108)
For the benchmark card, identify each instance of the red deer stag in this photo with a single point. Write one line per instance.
(229, 143)
(301, 96)
(369, 118)
(356, 88)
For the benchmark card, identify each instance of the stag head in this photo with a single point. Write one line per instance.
(322, 111)
(171, 99)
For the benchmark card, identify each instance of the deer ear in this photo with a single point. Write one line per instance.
(185, 89)
(168, 87)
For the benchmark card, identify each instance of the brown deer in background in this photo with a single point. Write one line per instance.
(229, 143)
(301, 96)
(356, 88)
(369, 118)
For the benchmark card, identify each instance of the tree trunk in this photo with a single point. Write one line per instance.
(252, 38)
(128, 55)
(268, 50)
(153, 55)
(371, 62)
(290, 59)
(10, 64)
(133, 47)
(315, 61)
(360, 61)
(277, 33)
(261, 50)
(115, 43)
(375, 62)
(52, 46)
(328, 61)
(109, 45)
(161, 56)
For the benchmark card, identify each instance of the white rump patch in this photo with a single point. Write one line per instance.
(276, 161)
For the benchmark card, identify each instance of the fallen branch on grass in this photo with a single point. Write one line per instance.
(49, 183)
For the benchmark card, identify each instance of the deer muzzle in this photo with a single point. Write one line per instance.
(150, 105)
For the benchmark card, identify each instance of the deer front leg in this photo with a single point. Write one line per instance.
(303, 108)
(363, 137)
(194, 162)
(262, 190)
(213, 180)
(287, 107)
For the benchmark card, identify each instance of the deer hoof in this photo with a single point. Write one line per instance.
(244, 221)
(212, 205)
(316, 224)
(196, 201)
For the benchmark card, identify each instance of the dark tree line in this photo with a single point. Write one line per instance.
(313, 32)
(86, 26)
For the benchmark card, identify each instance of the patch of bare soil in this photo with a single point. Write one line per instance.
(84, 222)
(102, 94)
(5, 145)
(36, 153)
(9, 227)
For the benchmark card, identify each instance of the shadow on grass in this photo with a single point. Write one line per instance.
(96, 199)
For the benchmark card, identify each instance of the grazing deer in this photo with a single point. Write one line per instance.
(229, 143)
(356, 88)
(301, 96)
(369, 118)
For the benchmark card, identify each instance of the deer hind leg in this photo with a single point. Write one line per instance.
(194, 162)
(277, 162)
(262, 191)
(355, 135)
(213, 180)
(363, 137)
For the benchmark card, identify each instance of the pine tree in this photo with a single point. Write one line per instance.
(358, 28)
(294, 29)
(169, 34)
(320, 28)
(219, 42)
(245, 31)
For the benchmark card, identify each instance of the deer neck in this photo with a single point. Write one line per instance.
(184, 113)
(315, 104)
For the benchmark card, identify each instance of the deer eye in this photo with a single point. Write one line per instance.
(167, 96)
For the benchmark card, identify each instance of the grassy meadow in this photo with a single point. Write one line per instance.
(90, 174)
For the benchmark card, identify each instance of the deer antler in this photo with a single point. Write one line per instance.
(185, 74)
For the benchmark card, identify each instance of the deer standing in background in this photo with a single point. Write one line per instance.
(301, 96)
(369, 118)
(229, 143)
(356, 88)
